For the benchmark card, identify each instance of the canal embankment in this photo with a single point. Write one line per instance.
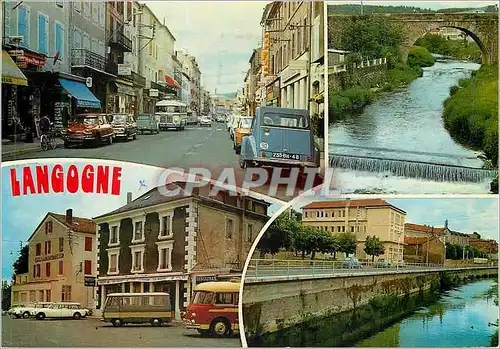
(339, 311)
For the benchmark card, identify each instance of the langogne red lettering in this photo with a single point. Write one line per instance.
(42, 180)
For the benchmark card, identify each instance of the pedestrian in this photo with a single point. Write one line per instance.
(65, 116)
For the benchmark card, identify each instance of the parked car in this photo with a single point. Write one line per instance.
(88, 128)
(351, 263)
(205, 121)
(124, 126)
(233, 126)
(24, 311)
(383, 263)
(149, 123)
(229, 122)
(280, 137)
(63, 310)
(220, 118)
(242, 129)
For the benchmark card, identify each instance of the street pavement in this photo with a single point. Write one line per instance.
(91, 332)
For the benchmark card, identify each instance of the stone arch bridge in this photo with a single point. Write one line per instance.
(481, 27)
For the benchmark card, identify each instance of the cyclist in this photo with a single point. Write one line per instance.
(45, 125)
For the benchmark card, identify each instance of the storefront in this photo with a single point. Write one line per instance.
(123, 98)
(150, 98)
(294, 85)
(273, 93)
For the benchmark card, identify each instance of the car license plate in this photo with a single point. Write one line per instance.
(286, 156)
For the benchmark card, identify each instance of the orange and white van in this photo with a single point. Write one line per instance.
(214, 308)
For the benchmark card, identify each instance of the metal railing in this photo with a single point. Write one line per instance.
(118, 38)
(269, 268)
(81, 57)
(338, 68)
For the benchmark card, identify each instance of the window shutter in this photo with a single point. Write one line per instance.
(21, 25)
(60, 40)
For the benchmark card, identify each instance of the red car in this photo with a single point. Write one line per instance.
(88, 128)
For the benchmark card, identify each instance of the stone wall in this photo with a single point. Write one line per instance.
(366, 77)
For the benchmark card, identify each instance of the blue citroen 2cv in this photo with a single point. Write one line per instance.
(279, 137)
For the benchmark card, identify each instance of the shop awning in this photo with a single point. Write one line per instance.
(85, 98)
(171, 82)
(11, 74)
(124, 89)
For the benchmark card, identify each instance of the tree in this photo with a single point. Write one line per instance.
(373, 246)
(280, 234)
(6, 290)
(21, 265)
(347, 243)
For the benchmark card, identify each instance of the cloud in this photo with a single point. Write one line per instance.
(221, 35)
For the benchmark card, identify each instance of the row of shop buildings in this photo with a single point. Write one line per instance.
(154, 243)
(63, 58)
(287, 70)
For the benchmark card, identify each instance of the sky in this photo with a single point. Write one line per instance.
(22, 214)
(434, 5)
(466, 215)
(221, 35)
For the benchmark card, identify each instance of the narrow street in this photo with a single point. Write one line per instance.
(91, 332)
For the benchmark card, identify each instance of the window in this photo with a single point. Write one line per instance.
(48, 296)
(48, 227)
(165, 255)
(229, 228)
(23, 24)
(86, 41)
(225, 298)
(60, 39)
(47, 247)
(43, 29)
(66, 293)
(6, 17)
(166, 226)
(113, 235)
(61, 244)
(304, 39)
(77, 38)
(102, 14)
(32, 296)
(204, 297)
(352, 229)
(137, 258)
(88, 243)
(249, 232)
(86, 9)
(38, 249)
(37, 270)
(113, 259)
(138, 236)
(94, 45)
(47, 269)
(88, 267)
(286, 120)
(343, 229)
(61, 268)
(137, 263)
(94, 12)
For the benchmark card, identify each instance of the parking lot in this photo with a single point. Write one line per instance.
(91, 332)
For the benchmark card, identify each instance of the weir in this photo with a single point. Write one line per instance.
(439, 172)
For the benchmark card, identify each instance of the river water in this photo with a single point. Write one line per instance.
(397, 144)
(459, 318)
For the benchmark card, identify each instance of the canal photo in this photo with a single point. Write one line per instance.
(372, 271)
(413, 101)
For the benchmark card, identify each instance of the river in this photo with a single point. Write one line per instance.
(394, 135)
(459, 318)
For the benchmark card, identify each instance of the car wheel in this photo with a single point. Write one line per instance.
(110, 140)
(77, 316)
(220, 327)
(66, 144)
(134, 136)
(237, 149)
(40, 316)
(26, 315)
(117, 323)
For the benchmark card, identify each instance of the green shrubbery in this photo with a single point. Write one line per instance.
(420, 57)
(349, 100)
(471, 114)
(456, 48)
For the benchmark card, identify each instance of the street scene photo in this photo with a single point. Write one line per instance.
(131, 268)
(375, 272)
(157, 83)
(413, 96)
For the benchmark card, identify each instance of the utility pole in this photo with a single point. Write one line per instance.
(361, 7)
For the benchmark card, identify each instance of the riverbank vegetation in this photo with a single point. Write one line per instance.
(471, 112)
(457, 252)
(420, 57)
(461, 49)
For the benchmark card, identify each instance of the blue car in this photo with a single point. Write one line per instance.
(279, 137)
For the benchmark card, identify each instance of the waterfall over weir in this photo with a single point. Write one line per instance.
(408, 168)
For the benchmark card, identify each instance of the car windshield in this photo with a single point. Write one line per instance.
(168, 109)
(143, 117)
(119, 118)
(286, 120)
(86, 120)
(204, 297)
(246, 123)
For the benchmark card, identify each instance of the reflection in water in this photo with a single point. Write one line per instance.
(460, 318)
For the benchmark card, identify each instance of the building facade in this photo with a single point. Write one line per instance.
(191, 68)
(371, 217)
(429, 250)
(160, 243)
(62, 254)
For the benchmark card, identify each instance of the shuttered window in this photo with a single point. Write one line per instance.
(43, 28)
(60, 40)
(23, 25)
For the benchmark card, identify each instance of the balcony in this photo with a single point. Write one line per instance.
(83, 58)
(119, 41)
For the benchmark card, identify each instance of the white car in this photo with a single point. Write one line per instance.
(233, 125)
(205, 121)
(63, 310)
(24, 311)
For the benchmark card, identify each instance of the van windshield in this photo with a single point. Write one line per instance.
(204, 297)
(286, 120)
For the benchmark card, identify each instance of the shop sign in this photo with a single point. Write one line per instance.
(153, 92)
(49, 257)
(270, 93)
(29, 58)
(16, 53)
(124, 69)
(90, 281)
(205, 278)
(143, 279)
(88, 82)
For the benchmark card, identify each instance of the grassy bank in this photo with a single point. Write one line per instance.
(471, 112)
(460, 49)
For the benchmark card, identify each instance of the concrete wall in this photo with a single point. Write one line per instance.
(274, 305)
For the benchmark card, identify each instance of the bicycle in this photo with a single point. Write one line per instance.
(48, 141)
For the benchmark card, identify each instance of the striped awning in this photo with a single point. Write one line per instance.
(11, 74)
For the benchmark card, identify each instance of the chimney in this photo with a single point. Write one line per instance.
(69, 216)
(129, 197)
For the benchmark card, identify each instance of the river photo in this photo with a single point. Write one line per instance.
(462, 317)
(398, 143)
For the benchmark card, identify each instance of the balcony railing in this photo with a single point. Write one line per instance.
(81, 57)
(120, 41)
